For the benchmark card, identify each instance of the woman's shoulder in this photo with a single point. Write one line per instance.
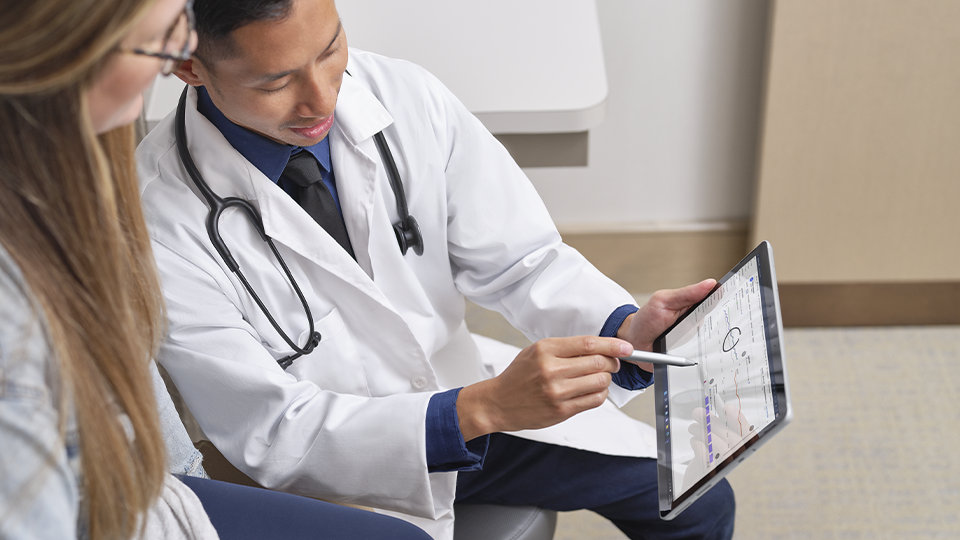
(25, 356)
(39, 466)
(14, 298)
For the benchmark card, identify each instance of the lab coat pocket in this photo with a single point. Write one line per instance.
(334, 364)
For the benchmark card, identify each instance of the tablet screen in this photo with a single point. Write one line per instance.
(712, 411)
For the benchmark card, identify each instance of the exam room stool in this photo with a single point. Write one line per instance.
(495, 522)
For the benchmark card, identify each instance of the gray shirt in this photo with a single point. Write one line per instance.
(39, 454)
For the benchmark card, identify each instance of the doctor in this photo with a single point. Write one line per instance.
(370, 389)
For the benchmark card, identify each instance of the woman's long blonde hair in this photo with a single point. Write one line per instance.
(70, 217)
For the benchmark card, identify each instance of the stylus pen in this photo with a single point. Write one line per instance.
(658, 358)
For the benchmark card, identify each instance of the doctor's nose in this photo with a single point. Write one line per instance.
(318, 97)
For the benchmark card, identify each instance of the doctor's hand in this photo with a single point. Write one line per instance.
(546, 383)
(662, 310)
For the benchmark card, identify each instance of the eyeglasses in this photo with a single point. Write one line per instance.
(177, 44)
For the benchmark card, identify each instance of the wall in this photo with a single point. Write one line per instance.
(858, 174)
(676, 150)
(862, 127)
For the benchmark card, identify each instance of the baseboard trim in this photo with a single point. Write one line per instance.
(870, 304)
(645, 261)
(655, 227)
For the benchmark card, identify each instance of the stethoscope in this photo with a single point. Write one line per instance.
(406, 229)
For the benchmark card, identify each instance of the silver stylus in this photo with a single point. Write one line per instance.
(658, 358)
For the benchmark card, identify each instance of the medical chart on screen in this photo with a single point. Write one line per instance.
(715, 407)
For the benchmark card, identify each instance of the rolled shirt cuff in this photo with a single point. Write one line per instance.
(446, 449)
(630, 375)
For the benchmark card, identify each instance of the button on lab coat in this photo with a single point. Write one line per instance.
(346, 423)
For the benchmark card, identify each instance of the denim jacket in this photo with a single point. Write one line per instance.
(40, 471)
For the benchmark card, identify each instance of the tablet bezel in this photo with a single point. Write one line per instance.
(773, 325)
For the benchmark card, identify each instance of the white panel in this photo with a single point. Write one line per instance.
(678, 145)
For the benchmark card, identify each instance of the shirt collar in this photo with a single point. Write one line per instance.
(269, 156)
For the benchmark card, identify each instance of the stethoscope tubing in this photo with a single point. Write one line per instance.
(407, 230)
(217, 206)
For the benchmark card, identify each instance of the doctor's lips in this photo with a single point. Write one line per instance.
(316, 130)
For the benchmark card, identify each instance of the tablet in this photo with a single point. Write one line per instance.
(711, 416)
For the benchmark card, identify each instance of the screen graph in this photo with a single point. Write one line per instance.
(717, 406)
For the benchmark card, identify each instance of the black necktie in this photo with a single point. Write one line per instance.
(304, 177)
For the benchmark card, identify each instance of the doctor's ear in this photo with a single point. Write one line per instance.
(186, 72)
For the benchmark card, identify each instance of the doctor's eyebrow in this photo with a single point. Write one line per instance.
(269, 77)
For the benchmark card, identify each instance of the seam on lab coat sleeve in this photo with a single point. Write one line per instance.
(223, 282)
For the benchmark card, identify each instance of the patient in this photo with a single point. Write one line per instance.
(83, 451)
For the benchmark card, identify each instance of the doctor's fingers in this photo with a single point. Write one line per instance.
(682, 298)
(576, 387)
(556, 384)
(566, 397)
(539, 411)
(580, 346)
(579, 366)
(551, 372)
(585, 402)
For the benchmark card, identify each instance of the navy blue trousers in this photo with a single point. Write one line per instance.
(518, 472)
(241, 512)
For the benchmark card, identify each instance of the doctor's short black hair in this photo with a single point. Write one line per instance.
(216, 19)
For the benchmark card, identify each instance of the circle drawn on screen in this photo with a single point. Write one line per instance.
(731, 339)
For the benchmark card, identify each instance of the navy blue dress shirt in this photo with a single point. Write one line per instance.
(446, 449)
(267, 155)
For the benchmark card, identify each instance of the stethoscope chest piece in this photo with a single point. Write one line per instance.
(408, 235)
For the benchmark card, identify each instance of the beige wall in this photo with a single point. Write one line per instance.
(859, 174)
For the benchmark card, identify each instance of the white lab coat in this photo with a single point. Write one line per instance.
(346, 423)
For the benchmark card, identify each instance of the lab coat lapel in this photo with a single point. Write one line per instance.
(359, 115)
(364, 184)
(229, 174)
(223, 168)
(288, 224)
